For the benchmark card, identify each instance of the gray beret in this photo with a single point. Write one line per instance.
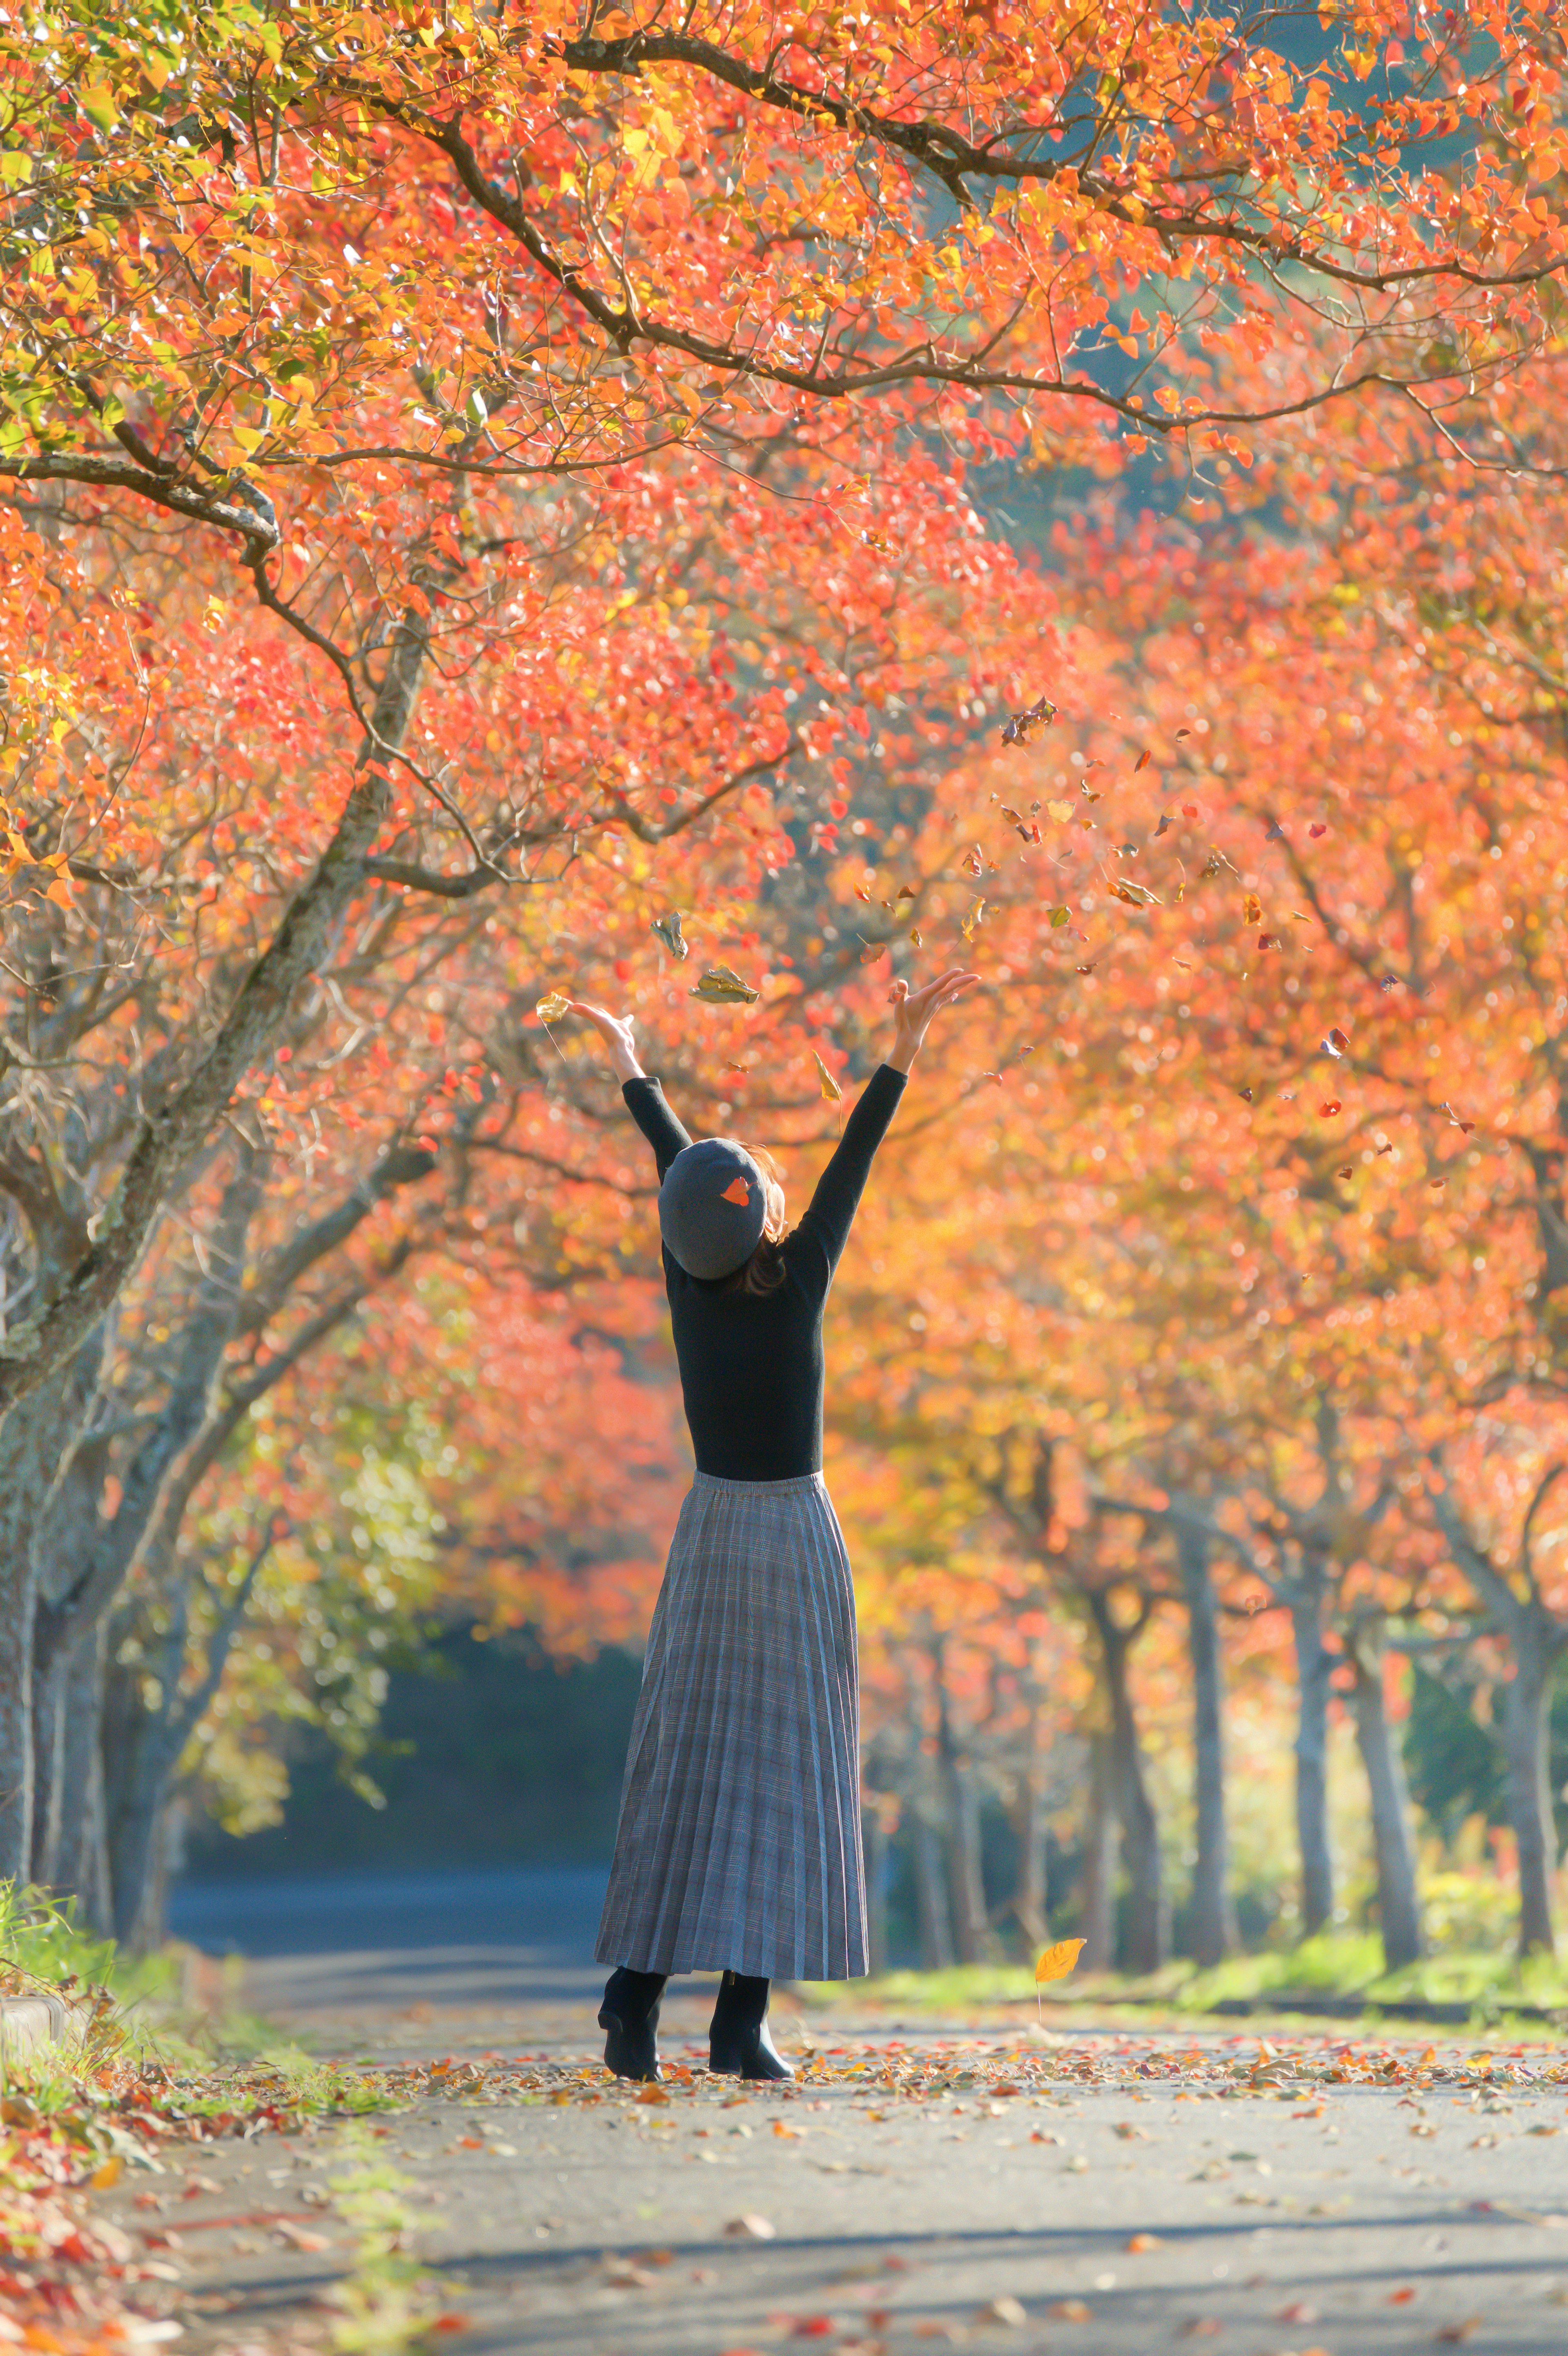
(711, 1207)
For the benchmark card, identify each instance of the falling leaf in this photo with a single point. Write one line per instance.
(1245, 1095)
(1059, 812)
(915, 936)
(1058, 917)
(669, 932)
(1029, 834)
(1085, 968)
(552, 1008)
(1347, 1171)
(1467, 1126)
(1010, 815)
(1316, 831)
(1143, 761)
(1183, 963)
(872, 951)
(1039, 714)
(1252, 909)
(971, 920)
(1330, 1108)
(1385, 1149)
(1088, 794)
(1389, 982)
(737, 1191)
(1164, 826)
(721, 986)
(907, 892)
(1134, 894)
(831, 1087)
(863, 894)
(974, 864)
(1438, 1185)
(1189, 809)
(992, 1075)
(1054, 1962)
(1276, 831)
(751, 2228)
(1141, 2244)
(1268, 940)
(1337, 1044)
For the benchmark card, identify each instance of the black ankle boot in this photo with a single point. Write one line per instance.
(630, 2017)
(738, 2039)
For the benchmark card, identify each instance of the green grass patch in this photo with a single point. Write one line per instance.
(1347, 1966)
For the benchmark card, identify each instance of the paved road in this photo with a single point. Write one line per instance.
(1133, 2196)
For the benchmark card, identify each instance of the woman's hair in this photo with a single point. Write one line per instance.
(763, 1272)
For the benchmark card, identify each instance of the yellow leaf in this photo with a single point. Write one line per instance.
(1055, 1963)
(1252, 909)
(108, 2172)
(551, 1009)
(831, 1087)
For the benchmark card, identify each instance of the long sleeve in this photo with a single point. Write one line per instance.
(645, 1102)
(819, 1242)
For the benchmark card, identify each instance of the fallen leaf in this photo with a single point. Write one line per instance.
(552, 1008)
(811, 2326)
(1403, 2297)
(1452, 2333)
(829, 1086)
(669, 932)
(452, 2323)
(1139, 2244)
(1300, 2311)
(790, 2134)
(297, 2238)
(650, 2094)
(1071, 2311)
(1252, 909)
(1039, 714)
(1202, 2327)
(1330, 1108)
(749, 2227)
(109, 2171)
(1054, 1962)
(1337, 1044)
(721, 986)
(1005, 2310)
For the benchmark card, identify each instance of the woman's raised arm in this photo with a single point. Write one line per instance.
(645, 1098)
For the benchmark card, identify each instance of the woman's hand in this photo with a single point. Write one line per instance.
(913, 1011)
(616, 1030)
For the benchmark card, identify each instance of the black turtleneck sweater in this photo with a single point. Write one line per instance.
(751, 1364)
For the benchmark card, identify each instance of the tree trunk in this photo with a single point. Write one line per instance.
(931, 1893)
(82, 1863)
(1399, 1907)
(1031, 1897)
(875, 1831)
(1148, 1910)
(971, 1923)
(1527, 1706)
(1213, 1917)
(1101, 1848)
(30, 1449)
(1314, 1666)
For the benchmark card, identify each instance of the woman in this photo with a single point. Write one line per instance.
(738, 1845)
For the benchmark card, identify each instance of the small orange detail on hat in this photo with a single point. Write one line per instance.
(737, 1191)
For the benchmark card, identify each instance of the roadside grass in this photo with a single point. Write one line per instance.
(1347, 1966)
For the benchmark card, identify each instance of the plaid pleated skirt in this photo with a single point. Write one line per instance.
(738, 1843)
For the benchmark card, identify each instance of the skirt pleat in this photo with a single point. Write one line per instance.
(738, 1843)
